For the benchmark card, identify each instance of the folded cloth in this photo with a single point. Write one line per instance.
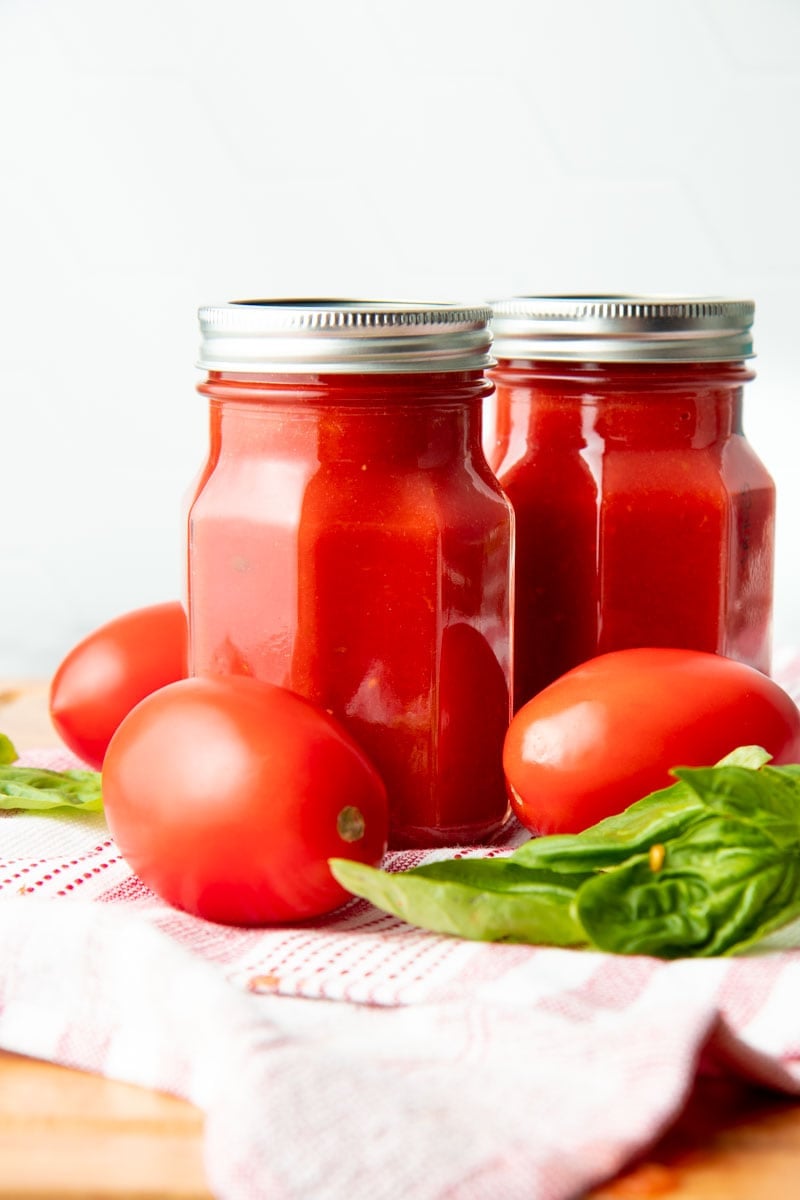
(356, 1058)
(520, 1073)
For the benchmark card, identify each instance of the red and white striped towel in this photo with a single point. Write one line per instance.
(356, 1058)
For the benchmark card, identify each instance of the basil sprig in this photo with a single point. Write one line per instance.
(37, 789)
(705, 867)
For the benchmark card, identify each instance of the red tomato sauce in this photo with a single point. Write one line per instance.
(643, 517)
(347, 540)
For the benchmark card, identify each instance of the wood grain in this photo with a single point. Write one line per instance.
(66, 1135)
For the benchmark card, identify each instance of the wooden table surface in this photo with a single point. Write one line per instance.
(65, 1135)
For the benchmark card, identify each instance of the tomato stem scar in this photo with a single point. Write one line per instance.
(350, 824)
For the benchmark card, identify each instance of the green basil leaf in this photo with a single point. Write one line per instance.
(8, 752)
(658, 817)
(723, 885)
(769, 797)
(37, 789)
(482, 899)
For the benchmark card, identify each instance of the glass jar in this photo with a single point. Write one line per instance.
(348, 541)
(643, 517)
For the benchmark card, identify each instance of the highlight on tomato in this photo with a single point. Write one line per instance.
(227, 796)
(111, 670)
(609, 731)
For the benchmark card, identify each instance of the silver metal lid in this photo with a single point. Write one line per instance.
(343, 336)
(623, 328)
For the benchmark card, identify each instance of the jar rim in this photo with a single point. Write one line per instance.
(338, 336)
(623, 328)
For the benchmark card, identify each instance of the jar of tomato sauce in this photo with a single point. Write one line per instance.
(643, 516)
(347, 540)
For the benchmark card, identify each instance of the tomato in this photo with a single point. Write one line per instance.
(227, 796)
(111, 670)
(608, 732)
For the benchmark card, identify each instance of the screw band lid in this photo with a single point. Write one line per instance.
(343, 336)
(623, 328)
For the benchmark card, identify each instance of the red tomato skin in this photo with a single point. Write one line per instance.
(111, 670)
(609, 731)
(225, 795)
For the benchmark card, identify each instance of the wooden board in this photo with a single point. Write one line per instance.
(65, 1135)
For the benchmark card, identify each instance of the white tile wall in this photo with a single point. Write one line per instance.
(157, 155)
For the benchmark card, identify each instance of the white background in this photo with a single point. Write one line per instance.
(159, 155)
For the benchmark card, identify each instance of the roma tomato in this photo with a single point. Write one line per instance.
(228, 796)
(111, 670)
(609, 731)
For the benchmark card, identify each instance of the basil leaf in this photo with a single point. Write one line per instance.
(489, 900)
(656, 818)
(769, 797)
(8, 753)
(37, 789)
(723, 884)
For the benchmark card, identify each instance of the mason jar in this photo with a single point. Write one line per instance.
(643, 516)
(348, 540)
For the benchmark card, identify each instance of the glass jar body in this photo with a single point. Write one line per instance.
(643, 516)
(347, 540)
